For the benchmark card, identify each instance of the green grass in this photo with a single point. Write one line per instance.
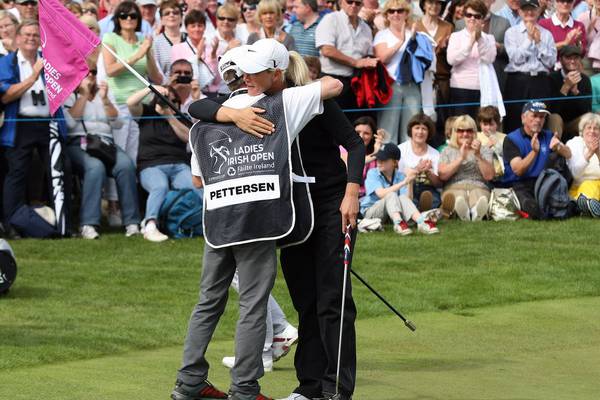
(109, 316)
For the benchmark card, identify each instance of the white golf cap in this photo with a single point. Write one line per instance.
(146, 2)
(262, 55)
(226, 63)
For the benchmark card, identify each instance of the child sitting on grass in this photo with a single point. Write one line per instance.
(385, 194)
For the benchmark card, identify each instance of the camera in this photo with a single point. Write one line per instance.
(183, 79)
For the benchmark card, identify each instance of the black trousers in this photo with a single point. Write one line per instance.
(522, 87)
(462, 98)
(314, 275)
(30, 136)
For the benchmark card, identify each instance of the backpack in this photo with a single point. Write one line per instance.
(180, 215)
(552, 195)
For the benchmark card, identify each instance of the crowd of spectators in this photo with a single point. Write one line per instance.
(462, 74)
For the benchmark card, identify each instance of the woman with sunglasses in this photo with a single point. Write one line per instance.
(389, 46)
(470, 50)
(270, 17)
(170, 20)
(251, 24)
(90, 111)
(137, 52)
(466, 168)
(8, 32)
(89, 8)
(225, 39)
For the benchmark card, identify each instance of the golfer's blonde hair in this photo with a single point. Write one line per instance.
(297, 71)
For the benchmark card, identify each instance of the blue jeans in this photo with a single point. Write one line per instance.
(408, 97)
(94, 175)
(158, 179)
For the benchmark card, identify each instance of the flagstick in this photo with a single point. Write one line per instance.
(148, 84)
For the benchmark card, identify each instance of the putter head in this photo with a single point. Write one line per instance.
(410, 325)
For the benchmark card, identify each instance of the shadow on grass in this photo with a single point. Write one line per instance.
(26, 292)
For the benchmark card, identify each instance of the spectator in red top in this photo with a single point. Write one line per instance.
(564, 29)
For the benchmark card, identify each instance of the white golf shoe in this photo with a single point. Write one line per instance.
(283, 342)
(267, 363)
(295, 396)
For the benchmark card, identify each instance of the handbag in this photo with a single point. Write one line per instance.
(504, 205)
(100, 148)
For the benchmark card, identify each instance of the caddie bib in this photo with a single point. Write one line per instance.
(247, 180)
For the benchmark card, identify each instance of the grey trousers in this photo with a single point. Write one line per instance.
(276, 321)
(391, 203)
(257, 268)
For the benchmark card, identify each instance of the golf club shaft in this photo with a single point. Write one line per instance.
(408, 323)
(347, 244)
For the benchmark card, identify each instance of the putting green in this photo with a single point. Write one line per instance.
(535, 350)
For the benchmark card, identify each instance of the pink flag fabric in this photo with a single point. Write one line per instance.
(66, 43)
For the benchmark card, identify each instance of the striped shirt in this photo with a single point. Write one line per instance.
(305, 38)
(526, 56)
(162, 52)
(125, 83)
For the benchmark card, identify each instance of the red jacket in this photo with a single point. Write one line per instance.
(372, 86)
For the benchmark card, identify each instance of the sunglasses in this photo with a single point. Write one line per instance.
(459, 130)
(250, 7)
(93, 72)
(29, 3)
(175, 13)
(475, 16)
(124, 16)
(356, 3)
(89, 11)
(397, 11)
(226, 19)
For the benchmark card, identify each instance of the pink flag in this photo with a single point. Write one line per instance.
(66, 43)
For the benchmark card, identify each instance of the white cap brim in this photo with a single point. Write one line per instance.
(250, 61)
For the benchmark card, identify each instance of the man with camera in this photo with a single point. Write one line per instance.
(180, 79)
(162, 159)
(27, 124)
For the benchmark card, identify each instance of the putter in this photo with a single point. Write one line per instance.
(409, 324)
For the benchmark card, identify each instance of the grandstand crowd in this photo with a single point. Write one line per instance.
(455, 101)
